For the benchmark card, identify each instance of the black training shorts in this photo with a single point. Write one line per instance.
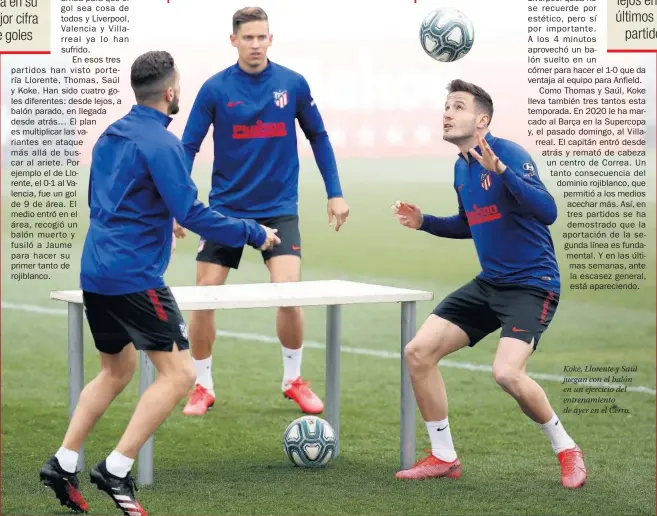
(480, 307)
(151, 320)
(288, 232)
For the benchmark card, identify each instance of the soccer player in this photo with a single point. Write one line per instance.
(252, 106)
(138, 182)
(504, 207)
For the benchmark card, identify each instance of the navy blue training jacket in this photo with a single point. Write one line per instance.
(507, 216)
(138, 183)
(255, 171)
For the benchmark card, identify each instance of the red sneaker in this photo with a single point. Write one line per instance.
(573, 471)
(307, 400)
(200, 400)
(431, 467)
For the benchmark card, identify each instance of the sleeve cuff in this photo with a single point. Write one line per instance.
(335, 193)
(259, 235)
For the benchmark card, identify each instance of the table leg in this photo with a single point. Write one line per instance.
(75, 363)
(333, 371)
(407, 397)
(146, 453)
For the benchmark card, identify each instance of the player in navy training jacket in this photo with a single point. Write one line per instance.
(252, 106)
(137, 183)
(504, 207)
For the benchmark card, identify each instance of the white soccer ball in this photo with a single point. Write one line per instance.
(309, 442)
(446, 34)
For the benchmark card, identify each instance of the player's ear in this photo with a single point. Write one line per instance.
(482, 121)
(233, 40)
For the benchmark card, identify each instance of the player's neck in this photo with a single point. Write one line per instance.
(468, 144)
(250, 69)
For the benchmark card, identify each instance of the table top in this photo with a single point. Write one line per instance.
(267, 295)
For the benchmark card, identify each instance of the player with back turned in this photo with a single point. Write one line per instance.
(253, 106)
(138, 182)
(506, 210)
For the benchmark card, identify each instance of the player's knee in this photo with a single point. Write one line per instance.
(117, 371)
(119, 379)
(177, 370)
(205, 280)
(419, 355)
(184, 378)
(506, 376)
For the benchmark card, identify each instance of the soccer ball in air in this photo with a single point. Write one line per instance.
(309, 442)
(446, 34)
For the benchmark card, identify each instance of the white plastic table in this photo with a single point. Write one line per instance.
(329, 293)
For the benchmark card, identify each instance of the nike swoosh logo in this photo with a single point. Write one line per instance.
(441, 429)
(516, 330)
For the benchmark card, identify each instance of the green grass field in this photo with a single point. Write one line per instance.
(232, 462)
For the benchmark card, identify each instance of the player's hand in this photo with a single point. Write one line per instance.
(488, 159)
(339, 209)
(271, 240)
(178, 230)
(408, 214)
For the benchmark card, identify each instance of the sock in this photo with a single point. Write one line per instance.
(441, 440)
(291, 364)
(68, 459)
(557, 434)
(118, 464)
(204, 373)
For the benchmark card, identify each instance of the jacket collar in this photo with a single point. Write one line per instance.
(149, 112)
(255, 76)
(469, 159)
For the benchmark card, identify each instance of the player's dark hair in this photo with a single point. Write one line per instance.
(248, 14)
(151, 74)
(482, 99)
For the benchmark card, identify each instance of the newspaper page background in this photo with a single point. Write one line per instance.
(582, 105)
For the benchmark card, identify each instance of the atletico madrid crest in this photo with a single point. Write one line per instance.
(280, 98)
(486, 180)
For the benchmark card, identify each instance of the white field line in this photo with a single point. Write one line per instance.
(256, 337)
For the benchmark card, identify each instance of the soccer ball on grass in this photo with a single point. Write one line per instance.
(309, 442)
(446, 34)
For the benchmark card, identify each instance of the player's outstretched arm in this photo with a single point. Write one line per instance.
(312, 125)
(198, 125)
(410, 216)
(525, 185)
(173, 182)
